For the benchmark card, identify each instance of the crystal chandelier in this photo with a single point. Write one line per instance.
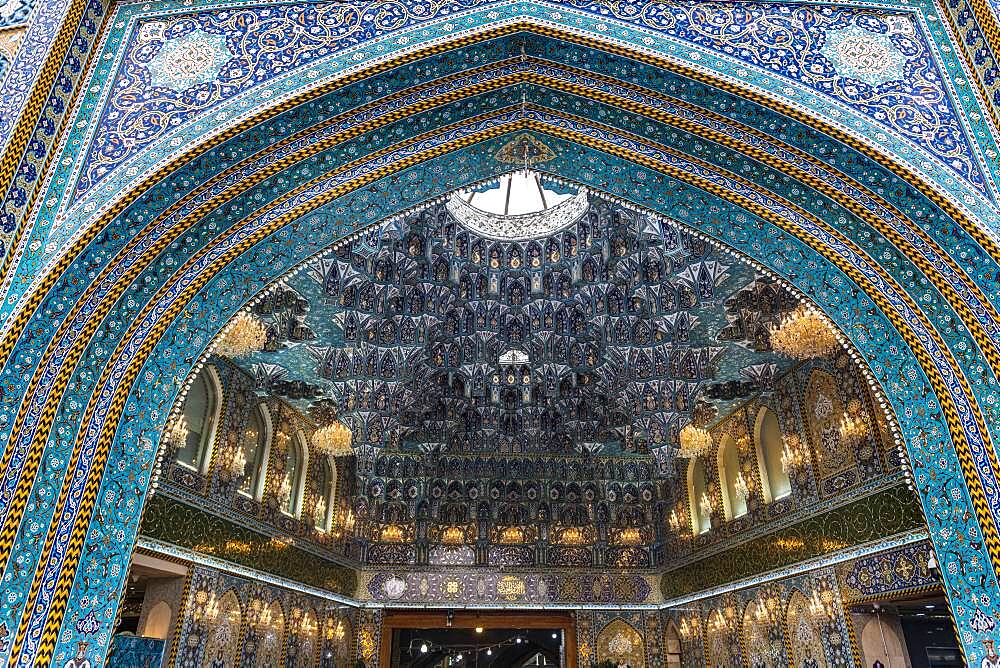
(695, 442)
(237, 464)
(177, 431)
(333, 440)
(245, 334)
(513, 535)
(741, 486)
(803, 334)
(767, 609)
(629, 536)
(285, 490)
(852, 427)
(391, 533)
(705, 506)
(791, 458)
(717, 623)
(319, 509)
(453, 535)
(208, 606)
(820, 604)
(675, 520)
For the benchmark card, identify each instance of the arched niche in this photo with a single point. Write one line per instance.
(824, 407)
(296, 465)
(270, 631)
(256, 443)
(158, 621)
(805, 636)
(326, 493)
(673, 650)
(338, 640)
(697, 492)
(769, 443)
(201, 416)
(721, 642)
(621, 644)
(734, 505)
(222, 639)
(306, 638)
(762, 637)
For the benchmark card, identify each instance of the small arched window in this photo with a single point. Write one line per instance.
(256, 444)
(201, 412)
(296, 463)
(774, 480)
(734, 504)
(327, 492)
(701, 519)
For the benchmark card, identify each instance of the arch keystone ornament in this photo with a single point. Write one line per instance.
(138, 241)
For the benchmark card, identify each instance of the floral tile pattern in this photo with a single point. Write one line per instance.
(878, 64)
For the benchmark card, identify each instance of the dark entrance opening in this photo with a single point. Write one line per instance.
(488, 648)
(468, 639)
(915, 631)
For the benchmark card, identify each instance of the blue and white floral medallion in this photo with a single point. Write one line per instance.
(867, 56)
(189, 60)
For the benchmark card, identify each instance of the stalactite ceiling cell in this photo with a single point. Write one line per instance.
(584, 327)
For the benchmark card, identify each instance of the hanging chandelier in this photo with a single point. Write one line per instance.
(852, 429)
(705, 506)
(791, 457)
(675, 521)
(821, 604)
(285, 490)
(803, 334)
(742, 487)
(235, 467)
(694, 442)
(333, 440)
(177, 431)
(245, 334)
(852, 426)
(689, 627)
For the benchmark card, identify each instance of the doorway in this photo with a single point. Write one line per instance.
(470, 639)
(915, 632)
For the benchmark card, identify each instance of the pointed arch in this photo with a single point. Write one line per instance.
(722, 645)
(339, 639)
(673, 653)
(271, 636)
(307, 641)
(804, 638)
(768, 440)
(762, 636)
(823, 407)
(296, 465)
(202, 407)
(222, 637)
(620, 643)
(734, 505)
(256, 444)
(158, 621)
(326, 492)
(701, 522)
